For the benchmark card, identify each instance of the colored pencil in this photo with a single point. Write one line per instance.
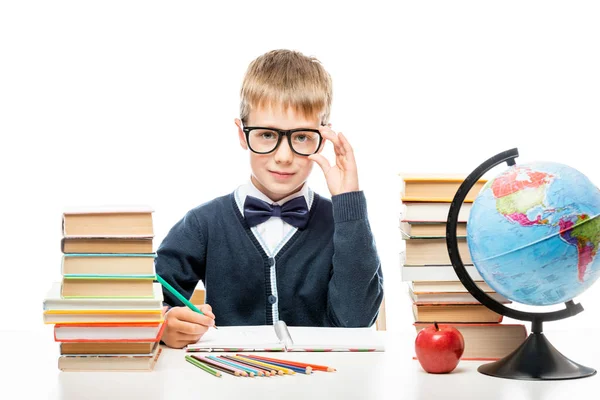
(305, 370)
(226, 371)
(314, 367)
(251, 372)
(179, 296)
(220, 366)
(275, 367)
(254, 363)
(203, 366)
(259, 370)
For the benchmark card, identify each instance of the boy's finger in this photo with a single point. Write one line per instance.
(349, 151)
(330, 135)
(195, 318)
(188, 338)
(187, 328)
(322, 161)
(207, 310)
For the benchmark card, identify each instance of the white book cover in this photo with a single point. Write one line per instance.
(431, 212)
(436, 273)
(280, 337)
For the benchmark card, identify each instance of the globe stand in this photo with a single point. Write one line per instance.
(535, 358)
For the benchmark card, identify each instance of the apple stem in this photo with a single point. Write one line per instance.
(437, 328)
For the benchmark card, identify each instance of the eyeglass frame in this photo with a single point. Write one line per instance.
(281, 133)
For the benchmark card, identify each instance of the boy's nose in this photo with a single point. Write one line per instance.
(283, 153)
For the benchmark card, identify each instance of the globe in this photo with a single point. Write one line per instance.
(534, 233)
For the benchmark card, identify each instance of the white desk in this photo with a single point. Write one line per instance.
(391, 374)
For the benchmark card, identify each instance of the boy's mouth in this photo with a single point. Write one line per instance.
(281, 175)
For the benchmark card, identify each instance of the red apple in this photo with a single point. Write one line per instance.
(439, 348)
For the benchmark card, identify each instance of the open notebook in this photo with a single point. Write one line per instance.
(280, 337)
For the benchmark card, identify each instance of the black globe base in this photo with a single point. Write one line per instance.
(536, 359)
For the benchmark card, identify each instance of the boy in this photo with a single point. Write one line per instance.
(273, 249)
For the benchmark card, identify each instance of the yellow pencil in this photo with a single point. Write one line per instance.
(271, 366)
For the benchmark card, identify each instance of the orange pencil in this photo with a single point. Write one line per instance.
(294, 363)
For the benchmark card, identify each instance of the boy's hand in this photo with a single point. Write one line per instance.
(185, 326)
(342, 177)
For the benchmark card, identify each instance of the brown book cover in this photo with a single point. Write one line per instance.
(108, 221)
(416, 230)
(97, 362)
(436, 187)
(108, 264)
(107, 348)
(108, 245)
(455, 312)
(100, 287)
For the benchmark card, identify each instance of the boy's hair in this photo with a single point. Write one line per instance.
(287, 78)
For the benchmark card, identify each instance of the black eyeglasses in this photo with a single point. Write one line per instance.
(303, 141)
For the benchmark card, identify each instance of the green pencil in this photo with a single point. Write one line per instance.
(179, 295)
(203, 366)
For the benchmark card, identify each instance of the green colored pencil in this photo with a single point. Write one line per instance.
(179, 295)
(203, 366)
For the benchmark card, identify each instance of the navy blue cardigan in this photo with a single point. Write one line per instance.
(328, 274)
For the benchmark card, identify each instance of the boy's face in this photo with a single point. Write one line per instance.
(281, 172)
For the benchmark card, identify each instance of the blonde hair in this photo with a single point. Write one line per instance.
(287, 78)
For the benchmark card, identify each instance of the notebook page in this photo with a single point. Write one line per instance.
(336, 339)
(238, 338)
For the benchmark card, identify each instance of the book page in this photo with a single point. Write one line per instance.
(336, 339)
(238, 338)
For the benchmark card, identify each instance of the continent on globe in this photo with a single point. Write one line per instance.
(582, 232)
(520, 190)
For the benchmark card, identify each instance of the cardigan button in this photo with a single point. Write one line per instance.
(272, 299)
(271, 262)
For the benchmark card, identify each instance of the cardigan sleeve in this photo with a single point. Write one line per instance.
(356, 284)
(181, 258)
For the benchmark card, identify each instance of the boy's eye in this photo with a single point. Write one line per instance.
(264, 134)
(302, 137)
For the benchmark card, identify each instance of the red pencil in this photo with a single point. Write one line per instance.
(292, 363)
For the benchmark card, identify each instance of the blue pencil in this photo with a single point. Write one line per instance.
(251, 372)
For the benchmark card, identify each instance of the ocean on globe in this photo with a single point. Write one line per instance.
(533, 233)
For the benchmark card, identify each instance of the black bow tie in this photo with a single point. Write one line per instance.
(294, 212)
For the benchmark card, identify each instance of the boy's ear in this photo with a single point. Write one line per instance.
(241, 134)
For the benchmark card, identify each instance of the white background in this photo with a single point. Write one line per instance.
(133, 102)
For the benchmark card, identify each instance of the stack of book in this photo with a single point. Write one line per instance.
(107, 309)
(435, 291)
